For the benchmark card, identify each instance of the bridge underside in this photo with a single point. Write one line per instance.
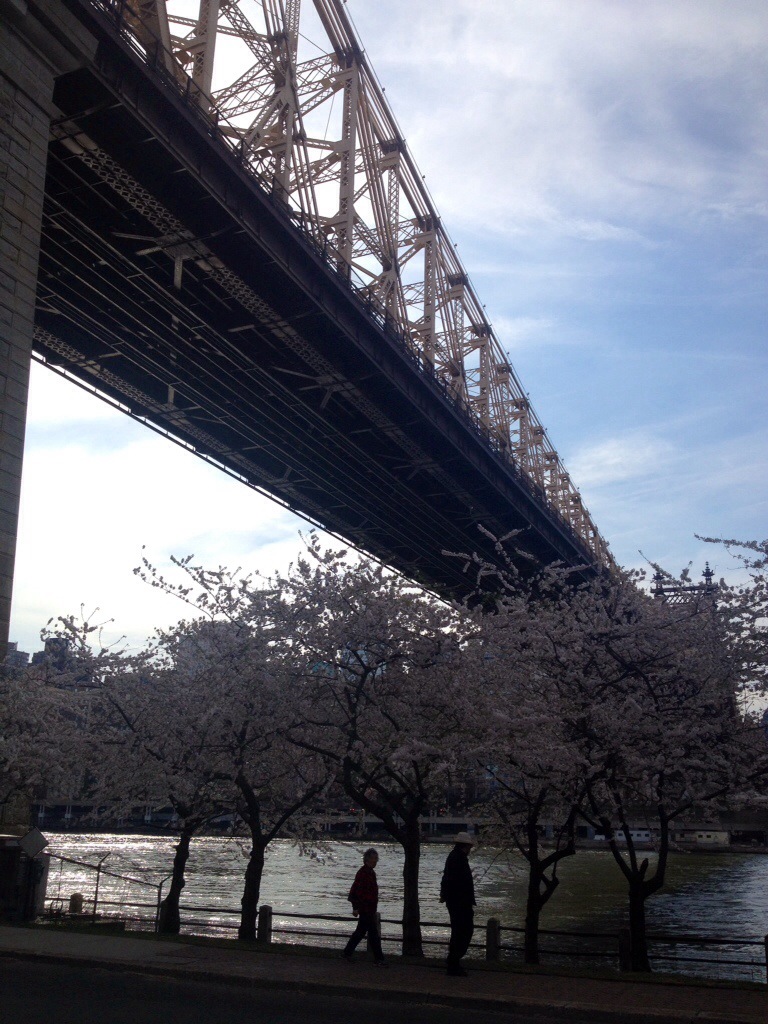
(171, 282)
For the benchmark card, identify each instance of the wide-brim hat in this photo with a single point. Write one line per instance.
(465, 839)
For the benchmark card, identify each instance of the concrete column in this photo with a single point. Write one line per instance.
(38, 42)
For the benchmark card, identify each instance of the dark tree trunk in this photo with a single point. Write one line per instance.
(391, 808)
(533, 901)
(261, 836)
(251, 891)
(639, 886)
(249, 904)
(540, 885)
(169, 920)
(532, 914)
(411, 842)
(638, 943)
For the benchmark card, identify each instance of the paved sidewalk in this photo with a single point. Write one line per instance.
(626, 1000)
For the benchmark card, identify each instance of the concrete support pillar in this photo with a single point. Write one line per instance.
(38, 42)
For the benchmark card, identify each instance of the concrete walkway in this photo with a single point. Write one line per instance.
(646, 1000)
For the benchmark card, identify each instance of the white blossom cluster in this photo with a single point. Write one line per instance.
(547, 701)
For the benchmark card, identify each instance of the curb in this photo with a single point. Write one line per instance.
(531, 1007)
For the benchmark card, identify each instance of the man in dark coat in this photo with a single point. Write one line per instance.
(457, 891)
(364, 897)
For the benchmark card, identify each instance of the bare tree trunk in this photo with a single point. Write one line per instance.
(532, 914)
(533, 901)
(640, 888)
(540, 885)
(169, 920)
(251, 891)
(390, 810)
(411, 842)
(638, 942)
(249, 903)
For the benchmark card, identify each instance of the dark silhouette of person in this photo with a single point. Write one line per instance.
(457, 892)
(364, 897)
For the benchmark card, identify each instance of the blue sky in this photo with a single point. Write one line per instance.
(602, 167)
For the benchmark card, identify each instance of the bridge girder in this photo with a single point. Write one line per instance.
(319, 132)
(195, 294)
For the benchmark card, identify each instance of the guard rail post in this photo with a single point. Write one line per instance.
(492, 939)
(264, 924)
(98, 880)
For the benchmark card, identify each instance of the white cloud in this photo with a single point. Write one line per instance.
(619, 459)
(53, 405)
(656, 491)
(521, 113)
(107, 492)
(519, 332)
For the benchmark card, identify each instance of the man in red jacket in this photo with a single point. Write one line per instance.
(364, 897)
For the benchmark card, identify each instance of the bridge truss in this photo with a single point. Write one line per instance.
(310, 122)
(318, 128)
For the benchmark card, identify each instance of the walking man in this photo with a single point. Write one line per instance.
(364, 897)
(457, 891)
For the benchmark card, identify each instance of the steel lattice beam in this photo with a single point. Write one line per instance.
(275, 289)
(355, 188)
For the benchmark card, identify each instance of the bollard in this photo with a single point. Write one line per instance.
(377, 919)
(492, 939)
(264, 925)
(76, 903)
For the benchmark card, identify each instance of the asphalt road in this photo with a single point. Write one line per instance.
(45, 993)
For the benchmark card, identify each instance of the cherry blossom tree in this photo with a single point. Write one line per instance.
(646, 694)
(30, 758)
(234, 655)
(534, 774)
(41, 723)
(743, 615)
(273, 782)
(147, 733)
(650, 695)
(383, 690)
(194, 722)
(533, 766)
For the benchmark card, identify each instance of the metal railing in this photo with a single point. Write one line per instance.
(604, 949)
(55, 906)
(666, 950)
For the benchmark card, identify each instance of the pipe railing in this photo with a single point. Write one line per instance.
(273, 923)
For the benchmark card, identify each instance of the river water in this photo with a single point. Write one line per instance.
(715, 895)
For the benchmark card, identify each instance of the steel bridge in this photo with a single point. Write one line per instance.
(238, 249)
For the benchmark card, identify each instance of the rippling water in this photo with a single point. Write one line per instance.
(711, 895)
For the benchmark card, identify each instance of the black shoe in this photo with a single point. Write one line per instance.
(456, 972)
(347, 957)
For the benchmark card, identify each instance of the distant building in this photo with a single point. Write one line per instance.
(56, 653)
(703, 835)
(637, 835)
(16, 658)
(62, 663)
